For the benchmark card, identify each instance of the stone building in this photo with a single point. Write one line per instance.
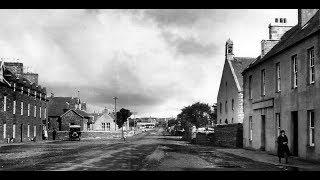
(23, 105)
(65, 111)
(106, 122)
(229, 99)
(282, 90)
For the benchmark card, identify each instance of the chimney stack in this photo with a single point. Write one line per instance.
(304, 15)
(276, 30)
(32, 77)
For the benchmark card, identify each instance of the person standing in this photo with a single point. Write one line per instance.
(54, 132)
(283, 149)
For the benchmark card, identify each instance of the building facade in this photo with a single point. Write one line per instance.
(66, 111)
(229, 99)
(106, 122)
(23, 107)
(282, 91)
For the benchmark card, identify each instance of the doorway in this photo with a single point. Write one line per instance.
(21, 133)
(294, 119)
(263, 133)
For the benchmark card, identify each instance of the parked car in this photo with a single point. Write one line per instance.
(74, 132)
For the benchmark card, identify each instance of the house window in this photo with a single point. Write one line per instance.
(220, 121)
(263, 83)
(28, 131)
(226, 121)
(278, 124)
(226, 107)
(40, 112)
(14, 107)
(220, 108)
(311, 65)
(250, 87)
(21, 110)
(108, 126)
(232, 104)
(35, 111)
(4, 103)
(45, 113)
(28, 92)
(4, 130)
(294, 71)
(35, 94)
(14, 86)
(21, 90)
(103, 126)
(250, 128)
(232, 121)
(14, 131)
(278, 85)
(34, 131)
(311, 127)
(28, 109)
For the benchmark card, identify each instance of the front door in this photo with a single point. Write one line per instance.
(294, 135)
(21, 133)
(263, 133)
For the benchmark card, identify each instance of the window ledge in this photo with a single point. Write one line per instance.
(310, 147)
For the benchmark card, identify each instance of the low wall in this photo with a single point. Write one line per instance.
(100, 135)
(230, 135)
(64, 135)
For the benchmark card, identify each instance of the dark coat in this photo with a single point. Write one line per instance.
(283, 148)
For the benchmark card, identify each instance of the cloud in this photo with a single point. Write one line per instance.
(189, 45)
(155, 61)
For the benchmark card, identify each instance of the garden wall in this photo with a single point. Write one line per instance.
(229, 135)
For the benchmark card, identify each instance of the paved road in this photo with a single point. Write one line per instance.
(149, 151)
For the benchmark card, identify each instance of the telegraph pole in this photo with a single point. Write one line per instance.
(115, 106)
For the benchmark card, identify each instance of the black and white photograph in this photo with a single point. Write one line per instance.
(159, 90)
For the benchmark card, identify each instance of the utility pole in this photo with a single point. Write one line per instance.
(115, 110)
(115, 107)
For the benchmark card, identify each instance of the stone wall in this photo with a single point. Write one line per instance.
(229, 135)
(64, 135)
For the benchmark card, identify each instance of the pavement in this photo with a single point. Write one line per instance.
(148, 151)
(293, 162)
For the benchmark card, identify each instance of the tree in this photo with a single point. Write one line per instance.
(121, 117)
(172, 122)
(197, 114)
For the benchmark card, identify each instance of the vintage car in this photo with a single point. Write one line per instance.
(74, 132)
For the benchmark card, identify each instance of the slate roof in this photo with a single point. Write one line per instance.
(57, 106)
(290, 38)
(239, 64)
(12, 77)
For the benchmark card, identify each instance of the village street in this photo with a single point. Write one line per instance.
(147, 151)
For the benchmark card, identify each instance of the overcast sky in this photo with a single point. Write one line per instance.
(155, 61)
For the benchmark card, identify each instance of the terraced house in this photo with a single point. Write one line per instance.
(23, 104)
(282, 89)
(230, 98)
